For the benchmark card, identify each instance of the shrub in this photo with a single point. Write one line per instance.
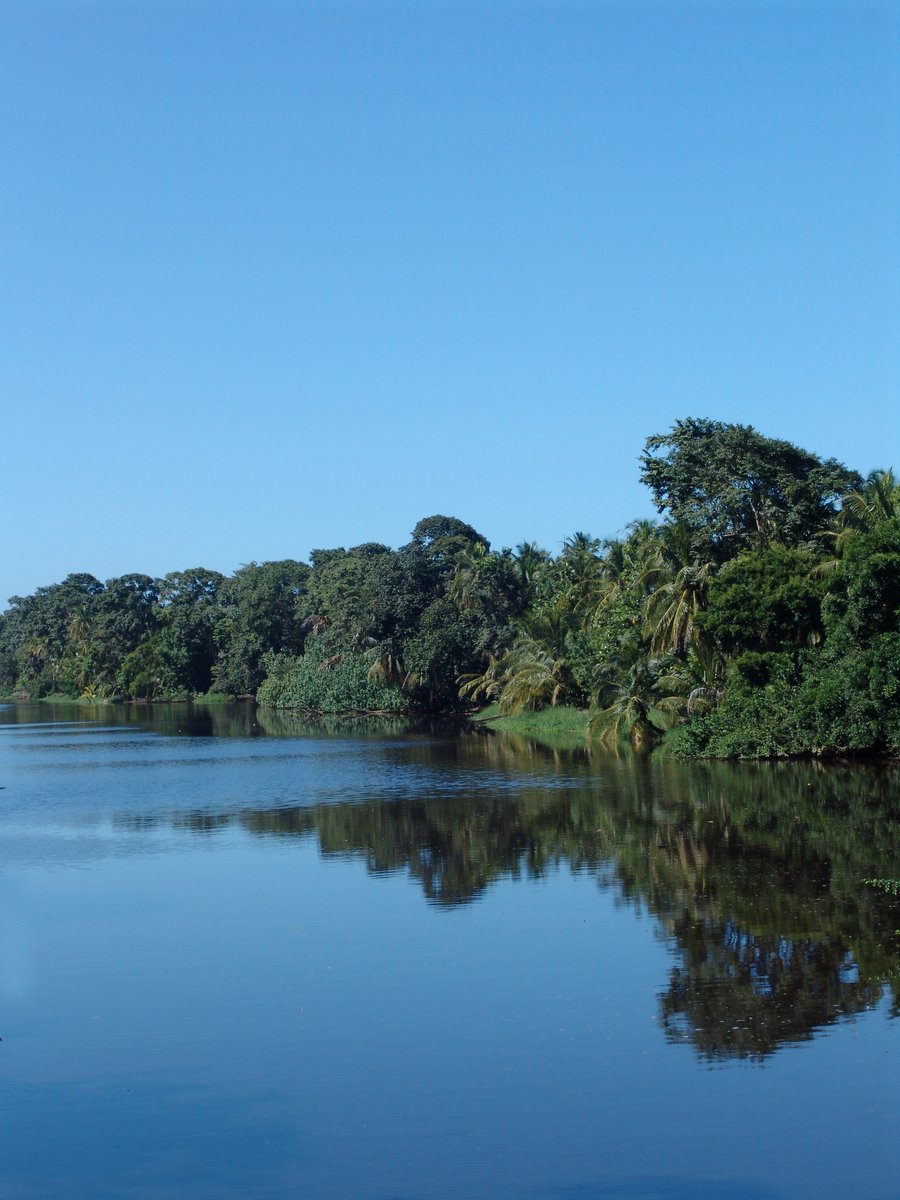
(314, 682)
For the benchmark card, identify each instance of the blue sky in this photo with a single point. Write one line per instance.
(287, 275)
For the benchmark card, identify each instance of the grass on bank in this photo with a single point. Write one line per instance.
(561, 727)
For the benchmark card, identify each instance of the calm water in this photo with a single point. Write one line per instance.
(245, 957)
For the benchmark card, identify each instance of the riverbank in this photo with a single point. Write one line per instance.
(562, 727)
(204, 698)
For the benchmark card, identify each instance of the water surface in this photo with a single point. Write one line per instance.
(242, 956)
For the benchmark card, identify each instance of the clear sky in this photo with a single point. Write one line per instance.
(286, 275)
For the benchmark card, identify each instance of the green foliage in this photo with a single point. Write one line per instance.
(636, 697)
(764, 599)
(260, 609)
(341, 592)
(422, 615)
(677, 587)
(148, 672)
(756, 722)
(891, 886)
(876, 501)
(849, 703)
(864, 592)
(442, 648)
(736, 490)
(44, 632)
(536, 671)
(822, 702)
(188, 613)
(128, 613)
(318, 682)
(442, 539)
(759, 617)
(839, 696)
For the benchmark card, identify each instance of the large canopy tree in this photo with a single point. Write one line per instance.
(735, 490)
(261, 608)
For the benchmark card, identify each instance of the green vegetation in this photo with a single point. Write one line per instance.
(326, 683)
(561, 728)
(760, 616)
(891, 886)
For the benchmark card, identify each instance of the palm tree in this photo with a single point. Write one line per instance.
(534, 677)
(531, 563)
(876, 501)
(42, 660)
(38, 650)
(80, 629)
(80, 632)
(635, 698)
(677, 592)
(535, 672)
(469, 567)
(488, 684)
(624, 570)
(389, 668)
(670, 612)
(580, 570)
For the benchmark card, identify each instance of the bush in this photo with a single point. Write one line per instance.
(826, 703)
(313, 682)
(747, 724)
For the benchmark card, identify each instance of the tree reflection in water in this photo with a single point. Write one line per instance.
(736, 995)
(753, 872)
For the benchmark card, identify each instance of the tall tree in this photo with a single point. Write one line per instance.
(39, 628)
(186, 639)
(261, 607)
(736, 490)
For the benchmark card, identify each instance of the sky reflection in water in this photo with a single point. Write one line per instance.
(242, 959)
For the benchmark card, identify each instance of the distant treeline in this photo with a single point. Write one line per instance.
(759, 616)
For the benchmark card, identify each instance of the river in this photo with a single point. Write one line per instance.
(246, 956)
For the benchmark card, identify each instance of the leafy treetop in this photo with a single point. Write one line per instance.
(735, 490)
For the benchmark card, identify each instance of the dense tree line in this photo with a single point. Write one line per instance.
(760, 615)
